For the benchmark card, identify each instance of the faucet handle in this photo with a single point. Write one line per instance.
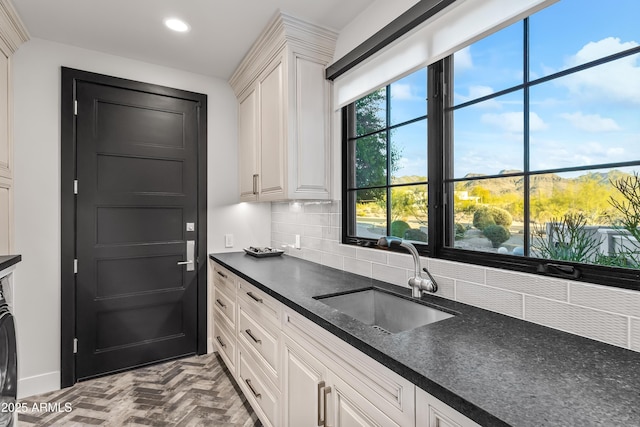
(435, 285)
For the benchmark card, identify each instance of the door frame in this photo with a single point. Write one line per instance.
(68, 174)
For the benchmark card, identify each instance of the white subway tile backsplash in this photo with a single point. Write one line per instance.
(312, 231)
(312, 255)
(358, 266)
(340, 249)
(374, 255)
(446, 287)
(599, 325)
(393, 275)
(313, 208)
(316, 219)
(456, 270)
(332, 260)
(401, 260)
(635, 334)
(527, 284)
(605, 298)
(312, 243)
(599, 312)
(331, 233)
(498, 300)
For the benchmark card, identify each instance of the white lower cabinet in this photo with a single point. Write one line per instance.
(304, 387)
(346, 407)
(296, 374)
(430, 412)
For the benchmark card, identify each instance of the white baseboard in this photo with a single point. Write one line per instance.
(38, 384)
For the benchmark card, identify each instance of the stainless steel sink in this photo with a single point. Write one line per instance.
(382, 310)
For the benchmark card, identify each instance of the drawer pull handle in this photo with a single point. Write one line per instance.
(220, 303)
(325, 393)
(221, 274)
(220, 341)
(255, 298)
(248, 332)
(321, 421)
(253, 390)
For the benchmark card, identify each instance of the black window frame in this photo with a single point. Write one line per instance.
(440, 231)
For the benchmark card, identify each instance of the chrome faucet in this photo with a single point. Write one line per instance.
(417, 283)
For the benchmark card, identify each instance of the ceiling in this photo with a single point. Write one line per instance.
(222, 31)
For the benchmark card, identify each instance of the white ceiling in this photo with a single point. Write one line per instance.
(222, 31)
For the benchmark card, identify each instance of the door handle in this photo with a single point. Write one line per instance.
(255, 183)
(191, 249)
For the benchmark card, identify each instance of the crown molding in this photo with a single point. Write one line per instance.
(12, 30)
(283, 31)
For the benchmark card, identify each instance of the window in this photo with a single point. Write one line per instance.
(387, 174)
(540, 147)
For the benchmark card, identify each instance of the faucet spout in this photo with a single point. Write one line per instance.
(417, 283)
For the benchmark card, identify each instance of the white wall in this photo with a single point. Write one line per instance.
(36, 72)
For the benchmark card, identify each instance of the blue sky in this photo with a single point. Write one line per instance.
(587, 118)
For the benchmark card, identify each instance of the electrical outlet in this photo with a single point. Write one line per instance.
(228, 240)
(297, 244)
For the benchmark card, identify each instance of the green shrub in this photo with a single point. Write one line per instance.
(398, 228)
(498, 234)
(482, 218)
(488, 215)
(459, 231)
(501, 217)
(415, 235)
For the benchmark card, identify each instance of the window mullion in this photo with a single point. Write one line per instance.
(527, 141)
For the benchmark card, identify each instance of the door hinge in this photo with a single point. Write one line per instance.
(75, 107)
(75, 345)
(75, 266)
(75, 186)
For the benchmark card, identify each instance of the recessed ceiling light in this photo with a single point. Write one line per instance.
(177, 25)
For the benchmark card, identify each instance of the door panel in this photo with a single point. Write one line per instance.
(137, 189)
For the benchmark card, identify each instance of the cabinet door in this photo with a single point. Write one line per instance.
(304, 379)
(248, 146)
(431, 412)
(272, 133)
(348, 408)
(311, 149)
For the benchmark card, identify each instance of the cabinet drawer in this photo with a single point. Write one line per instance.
(225, 342)
(261, 337)
(226, 307)
(224, 280)
(263, 396)
(265, 307)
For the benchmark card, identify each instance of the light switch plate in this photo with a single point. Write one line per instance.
(191, 226)
(228, 240)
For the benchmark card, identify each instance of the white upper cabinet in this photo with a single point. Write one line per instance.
(284, 128)
(12, 35)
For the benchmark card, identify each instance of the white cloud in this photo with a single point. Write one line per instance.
(513, 122)
(596, 50)
(478, 91)
(402, 92)
(462, 59)
(615, 81)
(590, 122)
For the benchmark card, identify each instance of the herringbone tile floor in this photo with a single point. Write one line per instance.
(196, 391)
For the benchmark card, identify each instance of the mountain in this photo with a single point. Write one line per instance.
(542, 185)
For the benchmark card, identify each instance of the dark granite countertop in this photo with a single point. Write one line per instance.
(7, 261)
(496, 370)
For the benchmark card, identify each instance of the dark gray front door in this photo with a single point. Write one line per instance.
(137, 192)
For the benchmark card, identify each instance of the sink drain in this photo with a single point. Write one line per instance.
(381, 329)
